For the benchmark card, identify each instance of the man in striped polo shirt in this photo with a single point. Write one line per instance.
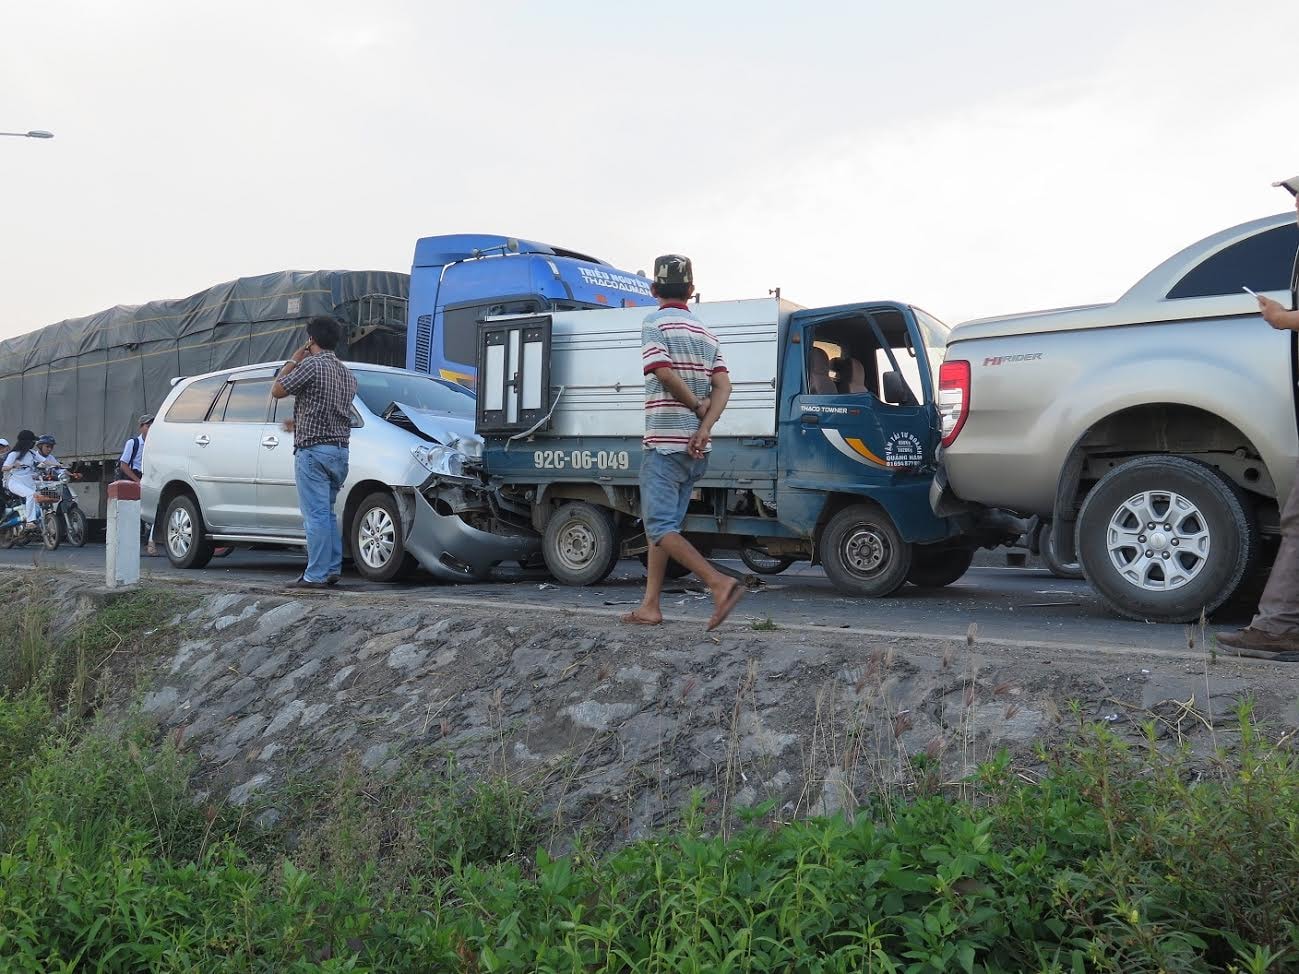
(686, 389)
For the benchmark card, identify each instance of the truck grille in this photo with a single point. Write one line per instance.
(423, 342)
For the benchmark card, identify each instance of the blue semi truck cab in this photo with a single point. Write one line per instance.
(458, 280)
(825, 452)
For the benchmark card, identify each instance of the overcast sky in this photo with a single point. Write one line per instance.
(972, 158)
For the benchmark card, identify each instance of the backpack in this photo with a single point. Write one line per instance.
(136, 446)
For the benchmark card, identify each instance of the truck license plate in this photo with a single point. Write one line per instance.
(581, 460)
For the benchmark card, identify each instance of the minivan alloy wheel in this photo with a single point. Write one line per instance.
(180, 532)
(377, 537)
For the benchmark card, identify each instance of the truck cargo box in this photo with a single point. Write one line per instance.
(593, 372)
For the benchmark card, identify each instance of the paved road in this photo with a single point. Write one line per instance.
(1021, 604)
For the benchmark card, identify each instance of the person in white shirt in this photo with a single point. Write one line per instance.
(20, 473)
(131, 467)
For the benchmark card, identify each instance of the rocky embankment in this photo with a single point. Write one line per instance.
(613, 727)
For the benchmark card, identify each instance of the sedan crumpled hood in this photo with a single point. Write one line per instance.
(456, 432)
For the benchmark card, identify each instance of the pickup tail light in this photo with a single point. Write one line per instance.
(953, 398)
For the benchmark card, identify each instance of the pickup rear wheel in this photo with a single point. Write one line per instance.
(934, 566)
(580, 544)
(1046, 549)
(1164, 539)
(863, 554)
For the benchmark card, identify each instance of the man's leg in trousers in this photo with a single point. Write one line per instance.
(1278, 609)
(313, 499)
(338, 476)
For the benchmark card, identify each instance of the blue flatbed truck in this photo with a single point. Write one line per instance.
(825, 452)
(458, 280)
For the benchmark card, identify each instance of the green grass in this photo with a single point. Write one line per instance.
(764, 625)
(67, 663)
(1118, 859)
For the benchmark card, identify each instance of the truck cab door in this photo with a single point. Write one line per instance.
(864, 415)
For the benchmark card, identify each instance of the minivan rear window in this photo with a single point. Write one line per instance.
(195, 399)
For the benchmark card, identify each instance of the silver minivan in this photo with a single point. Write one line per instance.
(218, 470)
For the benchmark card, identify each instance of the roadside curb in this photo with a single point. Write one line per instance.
(486, 602)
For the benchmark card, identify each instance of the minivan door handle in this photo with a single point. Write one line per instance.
(202, 439)
(270, 442)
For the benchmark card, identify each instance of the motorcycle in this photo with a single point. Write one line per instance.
(61, 517)
(13, 530)
(11, 519)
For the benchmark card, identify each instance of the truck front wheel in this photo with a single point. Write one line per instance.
(580, 544)
(1164, 539)
(863, 554)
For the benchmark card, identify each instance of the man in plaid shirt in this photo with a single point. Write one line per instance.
(322, 429)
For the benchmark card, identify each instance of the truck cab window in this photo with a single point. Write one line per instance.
(1263, 262)
(846, 359)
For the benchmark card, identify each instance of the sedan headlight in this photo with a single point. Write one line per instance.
(471, 446)
(441, 460)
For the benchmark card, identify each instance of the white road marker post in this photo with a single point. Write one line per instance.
(123, 537)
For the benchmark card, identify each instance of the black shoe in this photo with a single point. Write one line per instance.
(302, 582)
(333, 579)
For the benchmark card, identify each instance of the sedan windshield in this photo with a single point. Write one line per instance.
(380, 389)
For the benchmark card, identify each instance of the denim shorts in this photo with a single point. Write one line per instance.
(666, 481)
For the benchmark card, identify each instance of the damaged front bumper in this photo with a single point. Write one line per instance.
(449, 548)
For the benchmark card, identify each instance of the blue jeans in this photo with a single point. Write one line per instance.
(320, 472)
(666, 482)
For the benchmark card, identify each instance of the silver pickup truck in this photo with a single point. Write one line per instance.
(1156, 433)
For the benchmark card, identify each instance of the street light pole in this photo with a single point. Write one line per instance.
(33, 134)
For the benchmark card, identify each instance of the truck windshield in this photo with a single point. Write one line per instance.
(935, 334)
(379, 389)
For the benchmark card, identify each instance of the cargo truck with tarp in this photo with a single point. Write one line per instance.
(87, 380)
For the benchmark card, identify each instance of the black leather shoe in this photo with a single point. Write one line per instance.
(301, 582)
(333, 579)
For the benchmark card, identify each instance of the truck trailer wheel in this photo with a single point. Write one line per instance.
(760, 563)
(378, 548)
(183, 537)
(863, 554)
(934, 566)
(1163, 538)
(675, 568)
(580, 544)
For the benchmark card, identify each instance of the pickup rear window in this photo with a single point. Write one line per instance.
(1263, 262)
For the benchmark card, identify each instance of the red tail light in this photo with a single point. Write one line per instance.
(953, 398)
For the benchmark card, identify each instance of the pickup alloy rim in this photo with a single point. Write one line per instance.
(575, 545)
(180, 532)
(1158, 540)
(378, 537)
(865, 552)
